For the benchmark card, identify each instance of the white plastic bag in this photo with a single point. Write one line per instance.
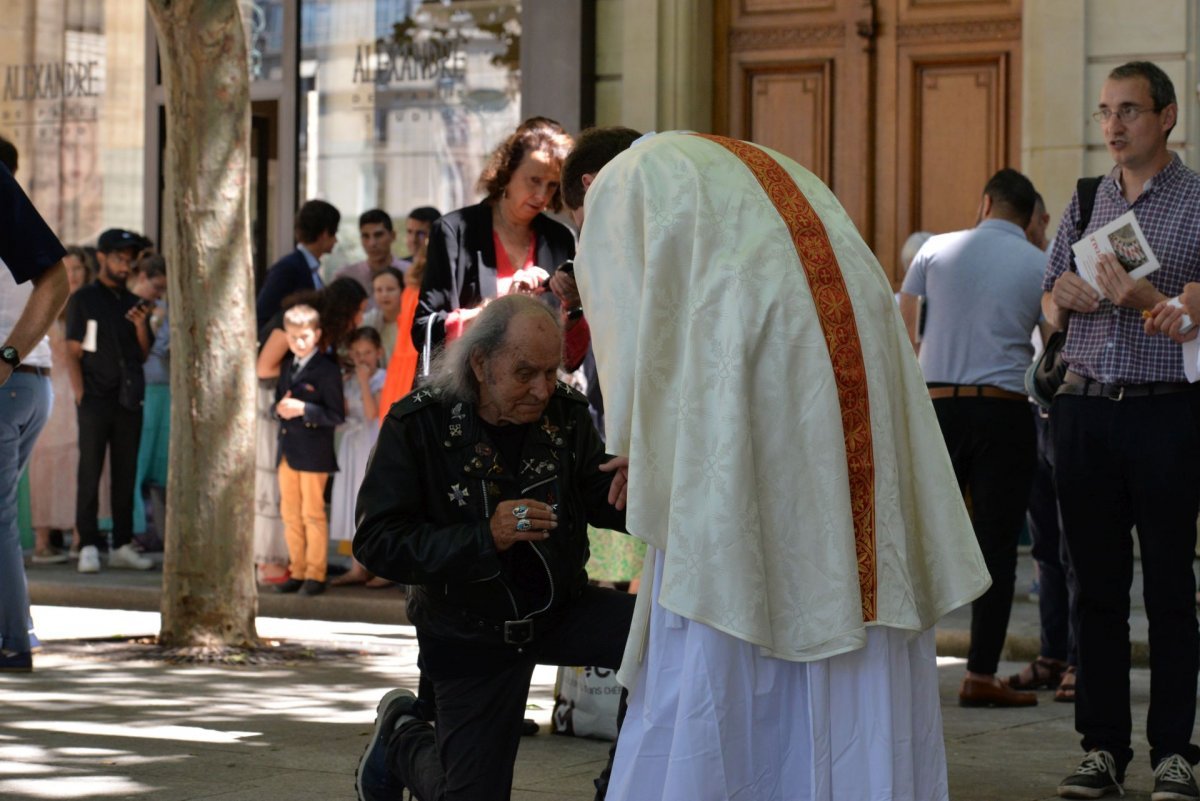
(586, 701)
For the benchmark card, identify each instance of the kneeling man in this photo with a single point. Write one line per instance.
(478, 495)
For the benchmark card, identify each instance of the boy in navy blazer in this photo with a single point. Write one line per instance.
(310, 405)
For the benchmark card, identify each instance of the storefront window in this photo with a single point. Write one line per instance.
(400, 103)
(264, 36)
(73, 103)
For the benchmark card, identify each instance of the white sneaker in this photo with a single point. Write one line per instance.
(89, 559)
(127, 557)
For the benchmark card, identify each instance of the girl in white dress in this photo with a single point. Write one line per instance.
(358, 434)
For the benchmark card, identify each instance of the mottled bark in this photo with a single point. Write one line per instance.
(209, 595)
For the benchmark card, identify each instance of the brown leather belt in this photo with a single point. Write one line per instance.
(29, 368)
(1076, 384)
(975, 391)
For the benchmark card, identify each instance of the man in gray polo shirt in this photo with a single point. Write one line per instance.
(983, 291)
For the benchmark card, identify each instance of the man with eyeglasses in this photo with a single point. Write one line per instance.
(108, 339)
(1125, 435)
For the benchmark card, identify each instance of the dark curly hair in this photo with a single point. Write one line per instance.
(338, 305)
(536, 134)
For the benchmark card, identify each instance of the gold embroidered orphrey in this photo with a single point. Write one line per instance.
(836, 314)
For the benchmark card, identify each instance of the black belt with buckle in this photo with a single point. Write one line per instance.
(518, 632)
(1076, 384)
(510, 632)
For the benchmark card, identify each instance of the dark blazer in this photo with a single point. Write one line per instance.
(307, 441)
(460, 268)
(289, 274)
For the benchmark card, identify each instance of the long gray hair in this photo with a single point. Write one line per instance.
(451, 373)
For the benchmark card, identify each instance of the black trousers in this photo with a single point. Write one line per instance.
(469, 755)
(993, 448)
(1056, 579)
(105, 425)
(1119, 464)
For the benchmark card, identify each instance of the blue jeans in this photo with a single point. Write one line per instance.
(24, 406)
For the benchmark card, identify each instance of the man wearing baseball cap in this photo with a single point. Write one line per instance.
(108, 338)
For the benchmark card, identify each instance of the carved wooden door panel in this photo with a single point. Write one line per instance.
(904, 107)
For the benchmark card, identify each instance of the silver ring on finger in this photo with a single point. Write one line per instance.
(520, 512)
(524, 525)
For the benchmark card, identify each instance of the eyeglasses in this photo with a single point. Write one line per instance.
(1125, 114)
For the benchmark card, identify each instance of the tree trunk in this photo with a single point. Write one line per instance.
(209, 595)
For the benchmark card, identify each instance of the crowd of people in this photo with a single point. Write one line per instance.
(1106, 455)
(104, 448)
(101, 393)
(738, 523)
(806, 498)
(331, 360)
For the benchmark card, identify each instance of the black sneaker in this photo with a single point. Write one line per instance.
(373, 780)
(16, 661)
(312, 587)
(1095, 777)
(1173, 781)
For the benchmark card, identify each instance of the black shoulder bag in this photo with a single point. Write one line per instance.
(1049, 370)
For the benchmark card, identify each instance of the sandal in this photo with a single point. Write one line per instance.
(272, 575)
(1065, 694)
(1040, 674)
(48, 556)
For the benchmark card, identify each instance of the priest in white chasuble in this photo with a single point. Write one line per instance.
(788, 473)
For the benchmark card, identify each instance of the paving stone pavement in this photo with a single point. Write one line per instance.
(85, 725)
(60, 585)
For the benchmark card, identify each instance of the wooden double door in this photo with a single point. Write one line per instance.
(904, 107)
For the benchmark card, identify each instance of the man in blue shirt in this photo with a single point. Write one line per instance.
(983, 287)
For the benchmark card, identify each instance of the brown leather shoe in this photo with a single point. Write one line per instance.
(980, 692)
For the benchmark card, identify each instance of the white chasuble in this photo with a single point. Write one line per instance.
(785, 459)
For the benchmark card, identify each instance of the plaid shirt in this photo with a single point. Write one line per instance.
(1109, 345)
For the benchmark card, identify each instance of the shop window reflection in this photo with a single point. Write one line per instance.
(400, 103)
(73, 103)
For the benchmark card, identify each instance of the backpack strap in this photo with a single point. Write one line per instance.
(1085, 189)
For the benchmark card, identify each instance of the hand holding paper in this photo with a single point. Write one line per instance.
(1119, 247)
(1190, 298)
(1185, 321)
(1072, 293)
(1121, 289)
(1170, 317)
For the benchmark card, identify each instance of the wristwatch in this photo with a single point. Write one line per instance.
(9, 355)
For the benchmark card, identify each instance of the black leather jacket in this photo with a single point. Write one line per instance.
(432, 485)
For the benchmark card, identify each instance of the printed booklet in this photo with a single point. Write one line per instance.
(1124, 239)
